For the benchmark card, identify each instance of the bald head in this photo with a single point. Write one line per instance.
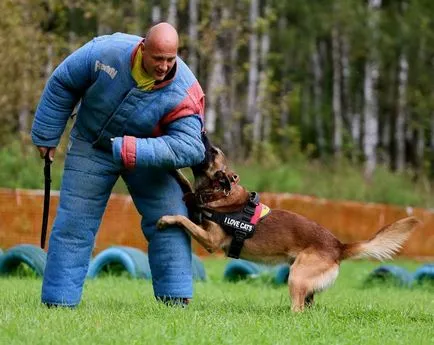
(159, 50)
(162, 36)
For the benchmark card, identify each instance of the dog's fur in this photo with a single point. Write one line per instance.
(313, 252)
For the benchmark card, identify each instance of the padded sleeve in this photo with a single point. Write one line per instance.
(61, 94)
(181, 146)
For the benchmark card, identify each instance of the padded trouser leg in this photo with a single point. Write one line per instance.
(156, 193)
(87, 182)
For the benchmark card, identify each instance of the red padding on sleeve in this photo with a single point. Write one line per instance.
(128, 152)
(193, 103)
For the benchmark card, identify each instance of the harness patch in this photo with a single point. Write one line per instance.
(238, 224)
(241, 225)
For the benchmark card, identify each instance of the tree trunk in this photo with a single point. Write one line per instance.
(214, 84)
(285, 86)
(49, 67)
(138, 17)
(193, 35)
(401, 113)
(253, 62)
(24, 113)
(317, 100)
(420, 150)
(172, 13)
(226, 103)
(337, 107)
(370, 94)
(347, 108)
(234, 96)
(261, 117)
(156, 12)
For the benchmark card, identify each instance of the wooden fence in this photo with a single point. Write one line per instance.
(21, 215)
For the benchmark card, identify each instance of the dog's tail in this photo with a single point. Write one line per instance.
(386, 242)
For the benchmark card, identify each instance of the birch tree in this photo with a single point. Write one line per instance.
(260, 117)
(253, 62)
(193, 35)
(318, 74)
(370, 92)
(285, 85)
(401, 112)
(401, 116)
(233, 36)
(215, 74)
(156, 11)
(172, 13)
(337, 107)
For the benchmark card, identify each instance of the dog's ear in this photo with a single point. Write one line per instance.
(213, 152)
(206, 142)
(209, 156)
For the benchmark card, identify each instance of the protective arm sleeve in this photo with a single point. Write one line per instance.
(180, 147)
(61, 93)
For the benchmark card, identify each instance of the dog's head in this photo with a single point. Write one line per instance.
(213, 173)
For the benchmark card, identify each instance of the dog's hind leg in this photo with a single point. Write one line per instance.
(309, 300)
(310, 272)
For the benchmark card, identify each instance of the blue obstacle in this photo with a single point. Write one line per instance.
(281, 274)
(132, 260)
(241, 269)
(32, 256)
(390, 274)
(199, 272)
(424, 274)
(135, 262)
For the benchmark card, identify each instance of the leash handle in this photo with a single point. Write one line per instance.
(47, 185)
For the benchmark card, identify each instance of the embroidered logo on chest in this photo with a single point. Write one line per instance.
(106, 68)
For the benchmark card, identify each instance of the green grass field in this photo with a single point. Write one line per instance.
(119, 310)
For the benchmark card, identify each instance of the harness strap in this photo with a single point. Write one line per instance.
(240, 235)
(240, 228)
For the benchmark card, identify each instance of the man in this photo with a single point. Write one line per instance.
(140, 117)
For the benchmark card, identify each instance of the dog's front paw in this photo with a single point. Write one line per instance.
(165, 221)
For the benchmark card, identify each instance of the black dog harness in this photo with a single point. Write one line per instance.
(240, 225)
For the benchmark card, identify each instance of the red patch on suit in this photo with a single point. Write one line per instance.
(193, 103)
(128, 152)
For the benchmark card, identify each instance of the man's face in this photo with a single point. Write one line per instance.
(158, 60)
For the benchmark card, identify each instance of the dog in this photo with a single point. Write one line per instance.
(313, 252)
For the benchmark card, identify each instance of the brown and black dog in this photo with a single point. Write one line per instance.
(313, 252)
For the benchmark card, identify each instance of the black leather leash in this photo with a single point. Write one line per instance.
(47, 177)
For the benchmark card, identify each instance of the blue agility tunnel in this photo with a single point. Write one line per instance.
(132, 260)
(30, 255)
(199, 272)
(241, 269)
(390, 274)
(281, 274)
(424, 274)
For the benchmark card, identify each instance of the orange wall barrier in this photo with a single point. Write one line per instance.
(21, 217)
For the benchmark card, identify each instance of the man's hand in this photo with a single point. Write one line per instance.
(43, 150)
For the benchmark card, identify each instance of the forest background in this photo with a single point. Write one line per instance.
(332, 98)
